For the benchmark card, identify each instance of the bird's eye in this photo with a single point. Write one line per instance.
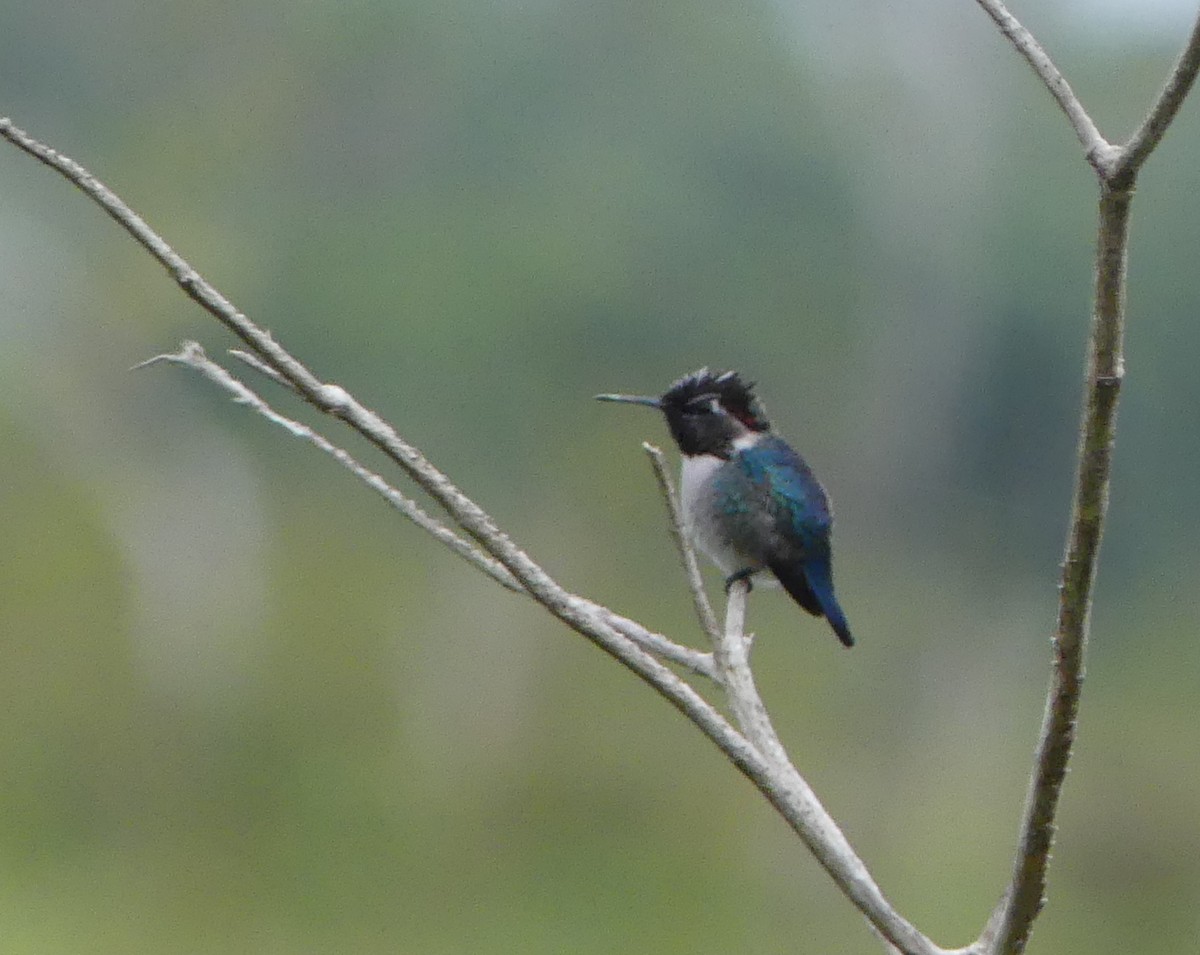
(703, 404)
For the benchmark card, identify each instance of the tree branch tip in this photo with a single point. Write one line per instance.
(261, 367)
(189, 353)
(656, 456)
(153, 361)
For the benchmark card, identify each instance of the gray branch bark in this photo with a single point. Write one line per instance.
(753, 745)
(1116, 168)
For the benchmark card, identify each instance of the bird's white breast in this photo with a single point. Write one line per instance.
(696, 480)
(696, 489)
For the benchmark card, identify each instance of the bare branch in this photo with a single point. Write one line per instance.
(607, 629)
(1163, 112)
(192, 356)
(694, 660)
(987, 941)
(805, 812)
(1106, 370)
(1007, 931)
(185, 276)
(708, 619)
(733, 667)
(1100, 153)
(261, 367)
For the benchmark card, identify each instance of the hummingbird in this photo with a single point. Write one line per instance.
(750, 502)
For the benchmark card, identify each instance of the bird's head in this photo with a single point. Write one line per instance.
(707, 412)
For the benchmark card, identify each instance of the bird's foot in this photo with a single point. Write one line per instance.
(744, 574)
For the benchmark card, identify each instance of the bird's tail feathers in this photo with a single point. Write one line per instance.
(820, 579)
(811, 586)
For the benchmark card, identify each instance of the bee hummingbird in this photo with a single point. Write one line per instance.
(750, 502)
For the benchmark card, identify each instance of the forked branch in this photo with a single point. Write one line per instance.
(1098, 150)
(1117, 168)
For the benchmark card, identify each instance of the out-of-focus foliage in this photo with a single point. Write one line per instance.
(246, 710)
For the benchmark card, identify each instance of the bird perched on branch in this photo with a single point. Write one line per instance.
(751, 503)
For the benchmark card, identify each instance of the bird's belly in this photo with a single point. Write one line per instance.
(717, 532)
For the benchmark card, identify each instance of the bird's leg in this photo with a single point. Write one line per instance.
(744, 574)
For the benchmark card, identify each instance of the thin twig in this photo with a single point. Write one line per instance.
(704, 610)
(987, 941)
(695, 660)
(193, 284)
(193, 356)
(1161, 114)
(248, 358)
(332, 399)
(1100, 153)
(733, 666)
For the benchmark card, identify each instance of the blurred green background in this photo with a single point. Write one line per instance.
(246, 709)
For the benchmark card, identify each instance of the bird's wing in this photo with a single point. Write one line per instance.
(794, 494)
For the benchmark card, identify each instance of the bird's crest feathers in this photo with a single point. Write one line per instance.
(735, 396)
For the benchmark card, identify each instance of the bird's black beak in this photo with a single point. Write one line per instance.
(632, 400)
